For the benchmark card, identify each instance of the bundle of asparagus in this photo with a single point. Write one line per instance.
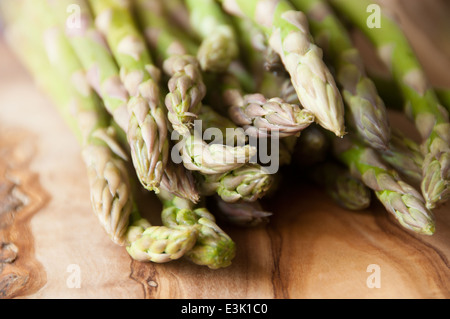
(135, 78)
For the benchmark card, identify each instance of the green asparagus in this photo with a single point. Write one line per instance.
(347, 191)
(219, 44)
(57, 70)
(421, 102)
(159, 244)
(249, 182)
(230, 133)
(180, 182)
(147, 127)
(241, 213)
(197, 155)
(404, 156)
(177, 12)
(93, 52)
(402, 200)
(127, 73)
(263, 117)
(59, 73)
(213, 248)
(186, 87)
(365, 112)
(288, 34)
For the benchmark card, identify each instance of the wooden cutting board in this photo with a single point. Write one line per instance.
(53, 247)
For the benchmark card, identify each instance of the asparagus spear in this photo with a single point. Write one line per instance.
(288, 34)
(405, 157)
(347, 191)
(58, 72)
(186, 87)
(231, 134)
(260, 60)
(263, 117)
(159, 244)
(272, 115)
(256, 51)
(422, 104)
(402, 200)
(179, 181)
(94, 54)
(249, 183)
(241, 213)
(365, 112)
(197, 155)
(178, 13)
(213, 248)
(260, 116)
(147, 128)
(219, 42)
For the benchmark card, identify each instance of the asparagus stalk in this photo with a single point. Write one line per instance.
(213, 248)
(268, 80)
(400, 199)
(261, 117)
(256, 51)
(57, 70)
(186, 91)
(60, 74)
(93, 52)
(186, 87)
(147, 129)
(199, 156)
(195, 153)
(365, 112)
(272, 115)
(241, 213)
(219, 44)
(262, 62)
(230, 133)
(422, 104)
(249, 183)
(178, 13)
(159, 244)
(405, 157)
(179, 181)
(288, 34)
(346, 190)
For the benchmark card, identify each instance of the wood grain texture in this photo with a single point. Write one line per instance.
(21, 196)
(310, 249)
